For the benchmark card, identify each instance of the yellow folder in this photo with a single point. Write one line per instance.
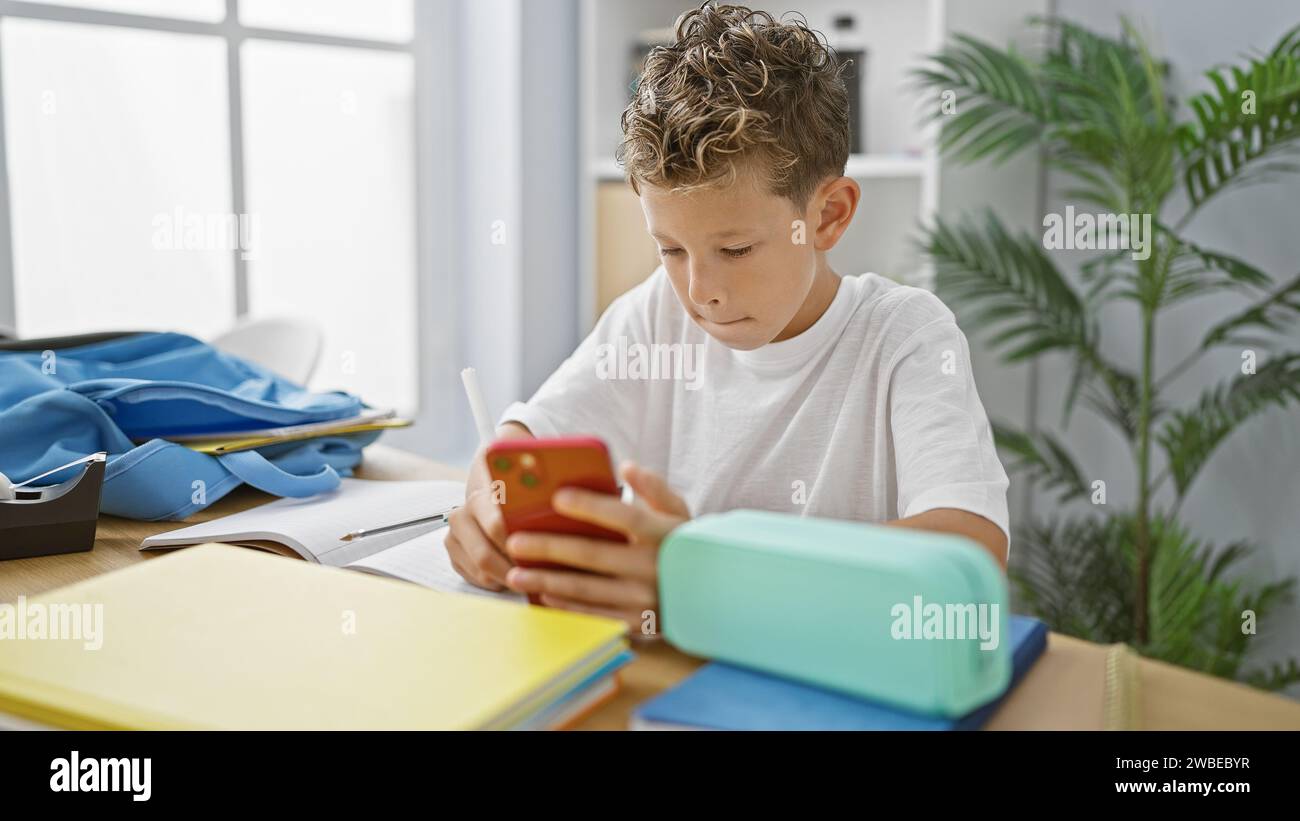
(238, 443)
(229, 638)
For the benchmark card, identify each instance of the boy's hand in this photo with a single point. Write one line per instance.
(476, 532)
(475, 536)
(623, 581)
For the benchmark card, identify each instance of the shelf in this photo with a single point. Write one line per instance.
(860, 167)
(606, 169)
(868, 166)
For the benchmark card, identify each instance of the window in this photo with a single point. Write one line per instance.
(181, 165)
(108, 129)
(328, 159)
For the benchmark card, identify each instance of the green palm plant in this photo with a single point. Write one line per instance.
(1097, 109)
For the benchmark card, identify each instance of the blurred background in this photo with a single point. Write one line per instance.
(431, 184)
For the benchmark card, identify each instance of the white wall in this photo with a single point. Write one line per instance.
(549, 61)
(502, 74)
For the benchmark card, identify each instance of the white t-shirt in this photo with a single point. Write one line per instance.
(871, 414)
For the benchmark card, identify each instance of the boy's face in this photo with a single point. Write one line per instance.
(739, 264)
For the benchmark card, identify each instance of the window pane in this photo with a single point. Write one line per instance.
(117, 144)
(329, 160)
(212, 11)
(372, 20)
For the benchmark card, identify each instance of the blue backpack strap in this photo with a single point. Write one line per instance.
(258, 471)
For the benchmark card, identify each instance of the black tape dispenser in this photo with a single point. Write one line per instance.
(43, 521)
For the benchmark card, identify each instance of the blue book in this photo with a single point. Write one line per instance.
(722, 697)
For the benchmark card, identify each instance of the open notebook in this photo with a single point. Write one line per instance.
(313, 528)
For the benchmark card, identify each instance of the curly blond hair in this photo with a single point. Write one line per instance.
(737, 90)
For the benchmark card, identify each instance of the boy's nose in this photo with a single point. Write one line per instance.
(705, 291)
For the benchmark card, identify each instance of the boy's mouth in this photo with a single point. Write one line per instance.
(721, 322)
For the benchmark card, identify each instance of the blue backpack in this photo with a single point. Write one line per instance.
(59, 405)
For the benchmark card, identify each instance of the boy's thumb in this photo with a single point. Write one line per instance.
(653, 489)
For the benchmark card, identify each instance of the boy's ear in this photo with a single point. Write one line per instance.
(835, 202)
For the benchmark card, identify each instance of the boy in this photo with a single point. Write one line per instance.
(819, 395)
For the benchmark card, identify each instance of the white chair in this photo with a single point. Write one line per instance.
(289, 347)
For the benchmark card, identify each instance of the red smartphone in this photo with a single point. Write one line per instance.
(532, 470)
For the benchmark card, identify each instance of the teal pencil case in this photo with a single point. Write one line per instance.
(908, 618)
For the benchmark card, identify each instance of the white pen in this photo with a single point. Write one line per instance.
(477, 406)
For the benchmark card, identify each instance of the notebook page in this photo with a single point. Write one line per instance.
(318, 523)
(424, 561)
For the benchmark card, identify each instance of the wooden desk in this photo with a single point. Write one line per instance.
(1064, 690)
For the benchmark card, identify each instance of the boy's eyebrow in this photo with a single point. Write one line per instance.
(733, 232)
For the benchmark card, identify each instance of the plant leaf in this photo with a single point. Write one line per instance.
(1008, 282)
(1274, 312)
(1227, 145)
(1077, 575)
(999, 107)
(1194, 271)
(1044, 459)
(1189, 438)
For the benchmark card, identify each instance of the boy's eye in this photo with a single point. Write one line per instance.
(737, 252)
(668, 252)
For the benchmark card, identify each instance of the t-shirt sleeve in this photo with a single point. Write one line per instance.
(580, 397)
(943, 443)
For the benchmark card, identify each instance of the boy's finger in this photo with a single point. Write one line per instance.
(653, 489)
(487, 513)
(469, 577)
(584, 587)
(457, 557)
(610, 512)
(596, 555)
(631, 617)
(477, 553)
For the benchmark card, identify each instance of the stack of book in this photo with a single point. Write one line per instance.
(218, 637)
